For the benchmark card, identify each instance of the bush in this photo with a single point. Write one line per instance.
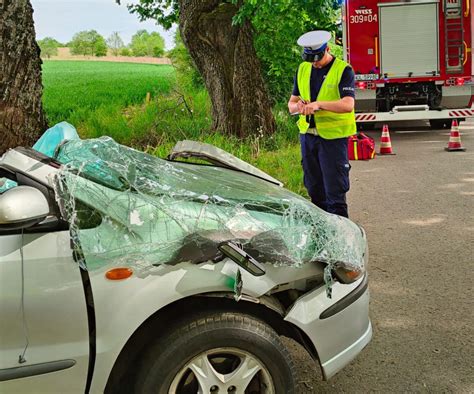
(147, 44)
(125, 52)
(88, 43)
(49, 47)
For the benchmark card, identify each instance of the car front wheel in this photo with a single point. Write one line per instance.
(219, 352)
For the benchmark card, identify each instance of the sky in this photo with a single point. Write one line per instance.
(61, 19)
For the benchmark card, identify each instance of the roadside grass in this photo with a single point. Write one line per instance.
(109, 99)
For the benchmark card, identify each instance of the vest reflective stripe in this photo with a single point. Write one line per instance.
(330, 125)
(335, 123)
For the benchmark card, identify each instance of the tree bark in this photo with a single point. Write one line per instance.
(21, 112)
(225, 56)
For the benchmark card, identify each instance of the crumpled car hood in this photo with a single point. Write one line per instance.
(152, 211)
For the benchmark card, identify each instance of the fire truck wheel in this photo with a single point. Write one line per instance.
(439, 123)
(361, 126)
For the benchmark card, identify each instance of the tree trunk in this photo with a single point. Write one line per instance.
(21, 111)
(226, 58)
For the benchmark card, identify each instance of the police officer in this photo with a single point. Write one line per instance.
(323, 94)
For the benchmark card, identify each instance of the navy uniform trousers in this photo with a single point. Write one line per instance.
(326, 172)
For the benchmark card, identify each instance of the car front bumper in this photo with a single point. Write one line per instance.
(339, 327)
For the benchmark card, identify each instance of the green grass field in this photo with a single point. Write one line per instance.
(103, 98)
(80, 91)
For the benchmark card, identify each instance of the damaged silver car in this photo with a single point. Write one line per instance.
(138, 274)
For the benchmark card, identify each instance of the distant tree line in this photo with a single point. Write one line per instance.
(91, 43)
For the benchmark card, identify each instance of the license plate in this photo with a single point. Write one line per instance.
(366, 77)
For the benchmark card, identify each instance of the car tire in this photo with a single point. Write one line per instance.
(231, 343)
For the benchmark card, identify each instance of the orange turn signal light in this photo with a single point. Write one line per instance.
(347, 275)
(353, 274)
(119, 273)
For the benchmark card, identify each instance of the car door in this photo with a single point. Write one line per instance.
(44, 333)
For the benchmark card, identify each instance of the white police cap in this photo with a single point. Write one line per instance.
(314, 39)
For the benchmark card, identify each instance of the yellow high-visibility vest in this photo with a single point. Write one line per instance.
(329, 125)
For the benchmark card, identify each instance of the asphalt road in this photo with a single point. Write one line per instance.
(418, 210)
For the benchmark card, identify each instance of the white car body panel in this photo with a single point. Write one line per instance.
(339, 338)
(55, 310)
(12, 338)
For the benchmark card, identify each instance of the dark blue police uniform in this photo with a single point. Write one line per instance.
(325, 162)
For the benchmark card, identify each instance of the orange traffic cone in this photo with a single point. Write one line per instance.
(454, 143)
(385, 143)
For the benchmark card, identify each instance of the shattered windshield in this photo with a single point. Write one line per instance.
(154, 211)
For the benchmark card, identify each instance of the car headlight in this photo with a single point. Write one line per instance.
(346, 274)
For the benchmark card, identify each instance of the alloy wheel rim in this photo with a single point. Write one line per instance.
(223, 371)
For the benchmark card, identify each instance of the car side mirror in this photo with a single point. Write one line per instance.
(22, 207)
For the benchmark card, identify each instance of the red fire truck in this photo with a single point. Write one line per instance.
(412, 59)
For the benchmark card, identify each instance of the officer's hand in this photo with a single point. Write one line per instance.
(310, 108)
(301, 105)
